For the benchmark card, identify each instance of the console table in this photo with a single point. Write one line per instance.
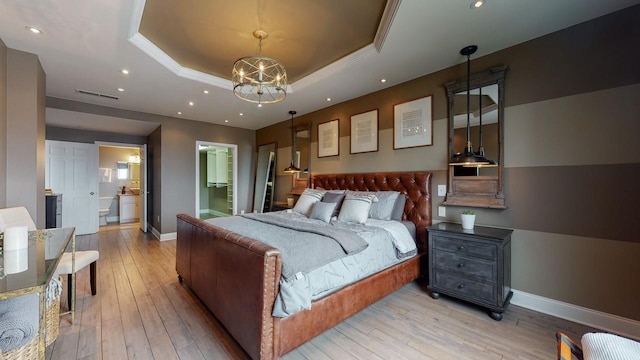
(472, 265)
(42, 257)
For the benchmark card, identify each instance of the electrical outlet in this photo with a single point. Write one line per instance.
(442, 190)
(442, 211)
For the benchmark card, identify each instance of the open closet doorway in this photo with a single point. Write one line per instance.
(216, 172)
(123, 166)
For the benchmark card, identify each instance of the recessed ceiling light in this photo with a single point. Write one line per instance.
(179, 112)
(383, 80)
(477, 3)
(125, 71)
(190, 103)
(241, 114)
(34, 29)
(205, 91)
(120, 89)
(226, 121)
(328, 99)
(259, 105)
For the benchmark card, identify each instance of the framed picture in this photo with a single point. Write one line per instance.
(413, 123)
(364, 132)
(329, 138)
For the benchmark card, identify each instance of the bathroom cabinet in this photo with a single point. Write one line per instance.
(128, 208)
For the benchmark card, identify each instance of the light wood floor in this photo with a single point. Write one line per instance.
(142, 312)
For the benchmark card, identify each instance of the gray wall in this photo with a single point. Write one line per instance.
(172, 155)
(3, 124)
(25, 129)
(571, 158)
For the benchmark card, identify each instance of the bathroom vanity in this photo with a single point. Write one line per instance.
(128, 206)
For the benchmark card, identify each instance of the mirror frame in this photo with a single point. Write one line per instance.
(478, 191)
(298, 184)
(257, 188)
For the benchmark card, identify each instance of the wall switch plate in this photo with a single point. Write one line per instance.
(442, 190)
(442, 211)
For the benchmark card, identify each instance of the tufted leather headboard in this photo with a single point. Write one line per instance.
(416, 185)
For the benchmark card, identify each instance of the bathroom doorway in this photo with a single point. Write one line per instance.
(123, 168)
(216, 172)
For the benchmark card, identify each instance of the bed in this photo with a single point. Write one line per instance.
(238, 277)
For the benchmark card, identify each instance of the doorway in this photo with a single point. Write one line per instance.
(123, 166)
(216, 172)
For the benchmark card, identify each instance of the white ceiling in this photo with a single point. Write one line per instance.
(85, 44)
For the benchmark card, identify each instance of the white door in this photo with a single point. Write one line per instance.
(142, 208)
(71, 169)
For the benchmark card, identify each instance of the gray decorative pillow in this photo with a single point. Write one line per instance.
(355, 208)
(322, 211)
(307, 199)
(398, 208)
(332, 197)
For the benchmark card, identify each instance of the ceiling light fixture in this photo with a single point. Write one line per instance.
(179, 112)
(190, 103)
(34, 30)
(292, 168)
(125, 71)
(205, 91)
(120, 89)
(383, 80)
(259, 79)
(468, 158)
(477, 3)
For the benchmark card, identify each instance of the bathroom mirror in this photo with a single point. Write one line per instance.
(265, 178)
(302, 159)
(477, 186)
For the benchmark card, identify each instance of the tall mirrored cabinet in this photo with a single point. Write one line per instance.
(264, 191)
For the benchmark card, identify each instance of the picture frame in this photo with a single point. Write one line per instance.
(329, 138)
(413, 123)
(364, 132)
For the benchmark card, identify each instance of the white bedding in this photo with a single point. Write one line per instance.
(388, 240)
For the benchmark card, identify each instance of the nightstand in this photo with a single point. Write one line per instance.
(472, 265)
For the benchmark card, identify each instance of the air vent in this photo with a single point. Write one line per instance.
(93, 93)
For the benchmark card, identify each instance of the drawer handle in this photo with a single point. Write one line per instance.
(461, 265)
(461, 247)
(461, 286)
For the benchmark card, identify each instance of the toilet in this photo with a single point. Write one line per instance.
(105, 208)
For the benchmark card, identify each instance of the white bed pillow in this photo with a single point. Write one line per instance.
(307, 199)
(322, 211)
(383, 203)
(604, 346)
(355, 208)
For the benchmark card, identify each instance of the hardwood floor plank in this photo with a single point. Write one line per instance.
(141, 311)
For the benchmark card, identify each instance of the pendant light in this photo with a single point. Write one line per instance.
(468, 158)
(292, 168)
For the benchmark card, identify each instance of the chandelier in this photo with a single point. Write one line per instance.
(259, 79)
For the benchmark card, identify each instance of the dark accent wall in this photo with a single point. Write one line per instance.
(572, 101)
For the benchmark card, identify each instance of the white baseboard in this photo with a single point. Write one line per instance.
(162, 237)
(601, 320)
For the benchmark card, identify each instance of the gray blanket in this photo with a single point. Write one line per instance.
(19, 321)
(304, 245)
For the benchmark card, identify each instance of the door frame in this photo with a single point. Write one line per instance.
(234, 149)
(144, 191)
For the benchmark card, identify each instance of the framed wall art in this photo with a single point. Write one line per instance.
(413, 123)
(364, 132)
(329, 138)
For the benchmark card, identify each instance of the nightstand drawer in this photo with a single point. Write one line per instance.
(471, 248)
(465, 288)
(476, 268)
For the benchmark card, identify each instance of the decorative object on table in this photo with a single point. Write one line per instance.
(16, 238)
(16, 261)
(413, 123)
(468, 219)
(364, 132)
(329, 138)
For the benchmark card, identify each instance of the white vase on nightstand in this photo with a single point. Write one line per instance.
(468, 221)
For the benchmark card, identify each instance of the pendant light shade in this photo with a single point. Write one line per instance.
(468, 158)
(292, 168)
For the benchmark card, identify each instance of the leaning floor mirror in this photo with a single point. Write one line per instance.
(265, 178)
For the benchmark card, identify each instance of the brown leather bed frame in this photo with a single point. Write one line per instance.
(237, 277)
